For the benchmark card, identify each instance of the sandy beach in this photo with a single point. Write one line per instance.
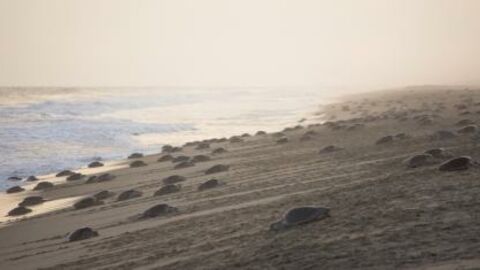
(384, 214)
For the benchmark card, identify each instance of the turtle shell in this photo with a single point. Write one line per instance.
(82, 234)
(456, 164)
(418, 160)
(305, 214)
(158, 210)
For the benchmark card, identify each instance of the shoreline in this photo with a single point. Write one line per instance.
(384, 215)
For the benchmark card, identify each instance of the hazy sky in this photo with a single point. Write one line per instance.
(239, 42)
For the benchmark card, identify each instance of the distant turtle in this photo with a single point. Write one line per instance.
(104, 194)
(19, 211)
(282, 140)
(260, 133)
(158, 210)
(14, 178)
(173, 179)
(202, 145)
(135, 155)
(32, 178)
(75, 176)
(468, 129)
(299, 216)
(87, 202)
(217, 168)
(129, 194)
(456, 164)
(165, 158)
(31, 200)
(330, 149)
(182, 158)
(168, 189)
(14, 189)
(43, 186)
(105, 177)
(444, 135)
(235, 139)
(418, 160)
(385, 140)
(82, 234)
(64, 173)
(92, 179)
(200, 158)
(212, 183)
(438, 153)
(219, 150)
(137, 163)
(167, 148)
(184, 164)
(95, 164)
(245, 135)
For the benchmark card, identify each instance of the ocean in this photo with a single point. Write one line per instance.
(44, 130)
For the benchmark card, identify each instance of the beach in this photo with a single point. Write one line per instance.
(384, 214)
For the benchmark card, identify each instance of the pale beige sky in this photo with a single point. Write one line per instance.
(239, 42)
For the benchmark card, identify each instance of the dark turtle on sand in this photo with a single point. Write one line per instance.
(310, 133)
(200, 158)
(135, 155)
(129, 194)
(456, 164)
(14, 178)
(282, 140)
(385, 140)
(32, 178)
(14, 189)
(180, 159)
(299, 216)
(173, 179)
(468, 129)
(31, 200)
(202, 145)
(165, 158)
(418, 160)
(330, 149)
(92, 179)
(159, 210)
(104, 194)
(219, 150)
(235, 139)
(212, 183)
(105, 177)
(168, 189)
(438, 153)
(217, 168)
(444, 135)
(95, 164)
(75, 177)
(18, 211)
(137, 164)
(465, 122)
(184, 164)
(87, 202)
(43, 186)
(82, 234)
(260, 133)
(64, 173)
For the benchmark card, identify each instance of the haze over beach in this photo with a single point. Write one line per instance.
(253, 134)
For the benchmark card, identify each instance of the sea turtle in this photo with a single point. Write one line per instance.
(95, 164)
(418, 160)
(217, 168)
(43, 186)
(75, 176)
(104, 194)
(212, 183)
(167, 189)
(260, 133)
(219, 150)
(438, 153)
(105, 177)
(165, 158)
(235, 139)
(129, 194)
(200, 158)
(82, 234)
(282, 140)
(172, 179)
(86, 202)
(32, 178)
(456, 164)
(330, 149)
(299, 216)
(18, 211)
(64, 173)
(180, 159)
(31, 200)
(468, 129)
(203, 145)
(184, 164)
(137, 163)
(159, 210)
(385, 140)
(135, 155)
(14, 189)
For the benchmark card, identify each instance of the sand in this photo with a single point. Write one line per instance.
(383, 214)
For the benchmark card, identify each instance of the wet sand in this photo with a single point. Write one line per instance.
(383, 214)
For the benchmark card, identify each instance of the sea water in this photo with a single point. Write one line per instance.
(44, 130)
